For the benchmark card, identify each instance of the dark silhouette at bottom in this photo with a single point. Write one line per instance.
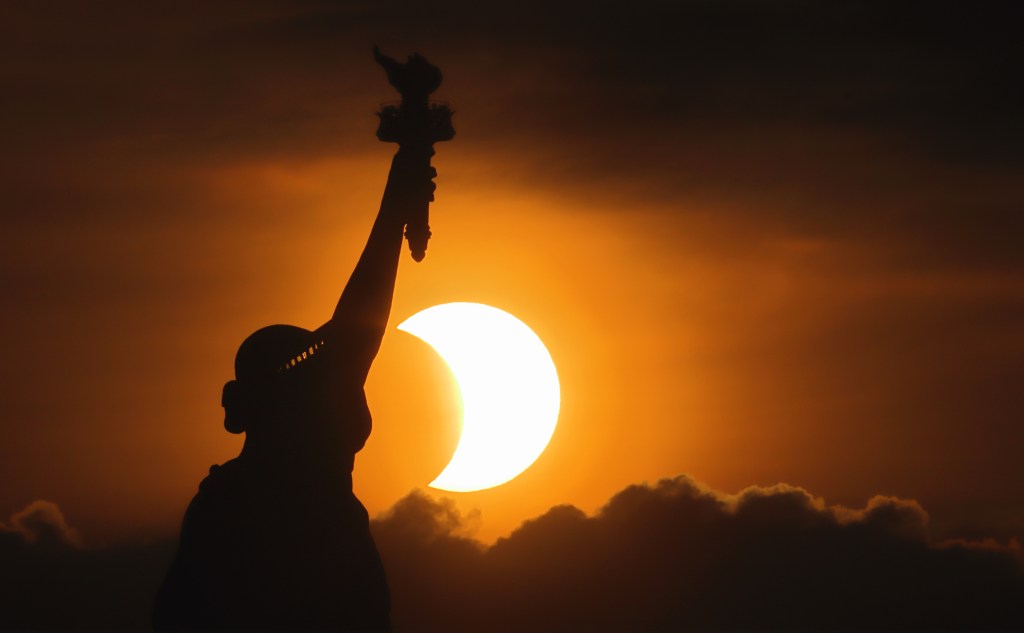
(275, 539)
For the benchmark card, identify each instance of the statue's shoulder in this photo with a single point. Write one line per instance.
(219, 499)
(224, 481)
(220, 475)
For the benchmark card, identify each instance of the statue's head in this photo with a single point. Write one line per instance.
(261, 389)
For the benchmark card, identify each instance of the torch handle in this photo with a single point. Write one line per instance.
(409, 192)
(417, 227)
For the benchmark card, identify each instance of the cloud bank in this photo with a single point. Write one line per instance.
(677, 555)
(672, 556)
(41, 524)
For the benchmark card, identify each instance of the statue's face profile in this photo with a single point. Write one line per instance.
(267, 395)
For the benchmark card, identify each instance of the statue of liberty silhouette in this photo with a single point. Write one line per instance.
(275, 538)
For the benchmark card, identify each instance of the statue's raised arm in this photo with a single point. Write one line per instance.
(416, 124)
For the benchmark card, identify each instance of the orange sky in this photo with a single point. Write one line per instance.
(731, 285)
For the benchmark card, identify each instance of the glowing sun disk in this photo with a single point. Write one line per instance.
(509, 387)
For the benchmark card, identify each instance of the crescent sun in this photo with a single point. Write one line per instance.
(509, 388)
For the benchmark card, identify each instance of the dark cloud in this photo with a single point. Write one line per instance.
(895, 124)
(672, 556)
(50, 580)
(41, 524)
(679, 556)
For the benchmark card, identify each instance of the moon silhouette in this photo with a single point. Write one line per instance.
(509, 387)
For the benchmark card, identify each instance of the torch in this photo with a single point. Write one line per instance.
(415, 124)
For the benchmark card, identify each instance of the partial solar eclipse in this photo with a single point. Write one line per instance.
(509, 387)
